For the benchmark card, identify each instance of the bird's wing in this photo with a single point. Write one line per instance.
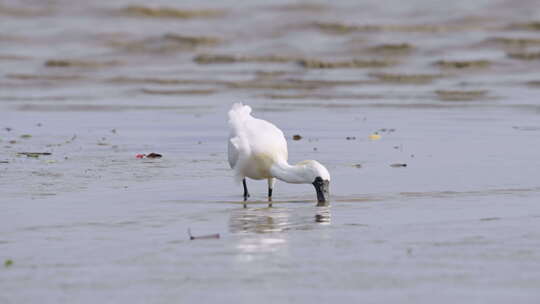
(253, 137)
(265, 138)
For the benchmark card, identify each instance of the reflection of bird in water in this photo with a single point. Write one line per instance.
(262, 220)
(258, 150)
(323, 215)
(269, 220)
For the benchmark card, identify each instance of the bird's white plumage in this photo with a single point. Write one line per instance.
(254, 144)
(258, 150)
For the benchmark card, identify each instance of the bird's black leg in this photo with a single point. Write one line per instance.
(246, 192)
(271, 182)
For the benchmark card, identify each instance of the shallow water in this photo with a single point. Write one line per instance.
(96, 84)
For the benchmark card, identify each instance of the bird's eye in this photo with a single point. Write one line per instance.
(318, 180)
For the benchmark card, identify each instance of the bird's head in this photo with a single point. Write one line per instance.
(318, 176)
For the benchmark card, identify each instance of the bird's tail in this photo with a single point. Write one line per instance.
(238, 144)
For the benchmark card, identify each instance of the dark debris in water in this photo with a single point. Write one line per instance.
(456, 95)
(489, 219)
(297, 137)
(398, 165)
(203, 237)
(34, 154)
(154, 155)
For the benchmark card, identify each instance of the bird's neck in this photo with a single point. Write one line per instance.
(291, 174)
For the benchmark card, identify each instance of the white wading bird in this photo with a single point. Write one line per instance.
(258, 150)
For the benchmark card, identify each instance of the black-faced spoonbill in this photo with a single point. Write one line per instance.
(258, 150)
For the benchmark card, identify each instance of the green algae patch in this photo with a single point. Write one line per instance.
(322, 96)
(23, 12)
(354, 63)
(163, 81)
(457, 95)
(272, 85)
(134, 80)
(222, 59)
(178, 92)
(525, 56)
(44, 77)
(405, 78)
(534, 83)
(392, 49)
(165, 43)
(193, 40)
(515, 42)
(335, 28)
(340, 28)
(65, 63)
(168, 12)
(291, 84)
(529, 26)
(302, 7)
(462, 64)
(13, 57)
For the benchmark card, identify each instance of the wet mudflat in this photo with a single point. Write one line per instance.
(426, 115)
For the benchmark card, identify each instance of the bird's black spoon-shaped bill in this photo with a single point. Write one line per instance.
(323, 192)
